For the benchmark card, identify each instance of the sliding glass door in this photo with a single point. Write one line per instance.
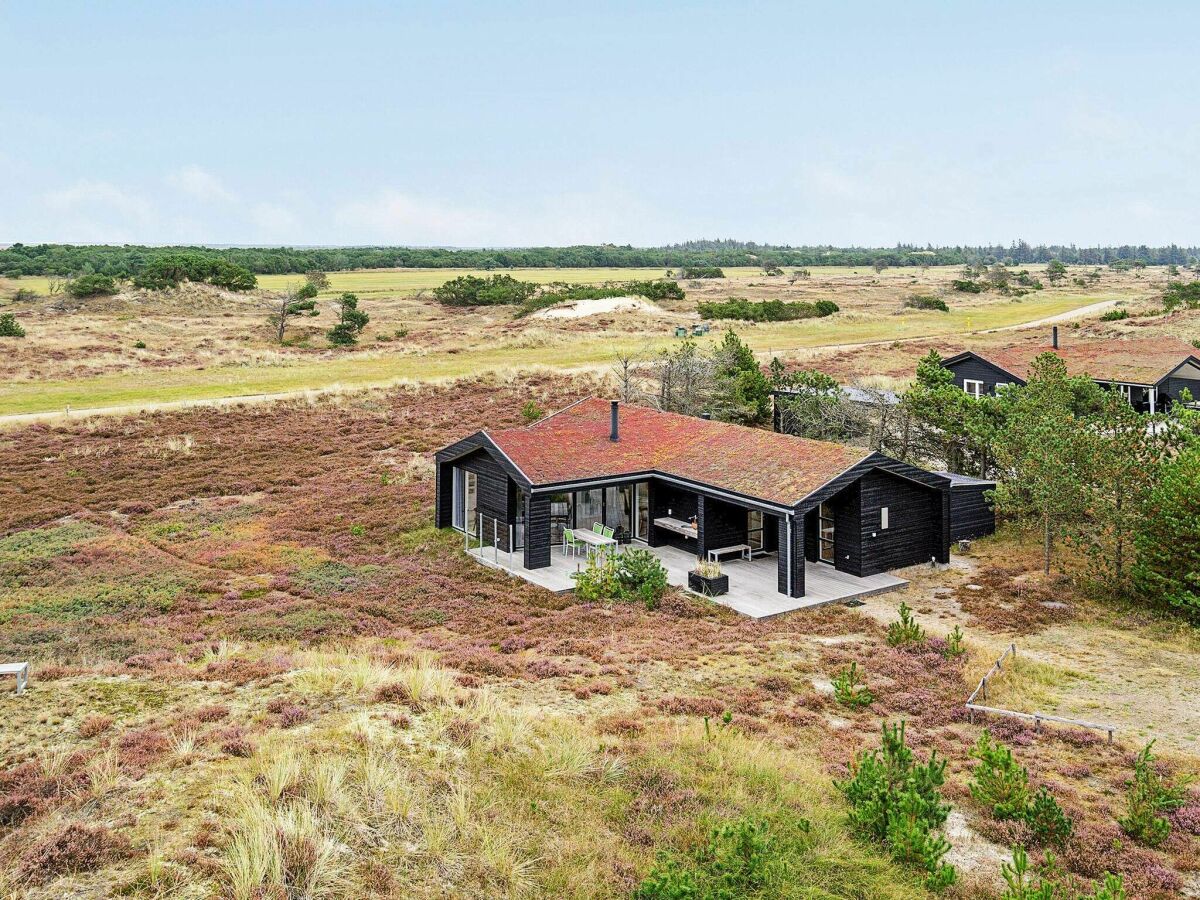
(618, 509)
(825, 533)
(466, 497)
(642, 531)
(589, 508)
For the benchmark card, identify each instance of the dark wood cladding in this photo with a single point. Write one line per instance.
(847, 528)
(1173, 387)
(971, 515)
(976, 369)
(914, 532)
(667, 499)
(722, 525)
(796, 588)
(537, 531)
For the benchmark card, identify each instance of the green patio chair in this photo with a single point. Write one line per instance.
(597, 528)
(570, 541)
(608, 532)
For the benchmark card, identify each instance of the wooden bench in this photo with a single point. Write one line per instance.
(715, 554)
(21, 670)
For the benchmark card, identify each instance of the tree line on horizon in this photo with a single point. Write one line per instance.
(129, 261)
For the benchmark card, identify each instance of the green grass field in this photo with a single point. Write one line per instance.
(376, 367)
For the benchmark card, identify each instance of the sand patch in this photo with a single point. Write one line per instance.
(578, 309)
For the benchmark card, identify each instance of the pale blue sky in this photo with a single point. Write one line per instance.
(537, 123)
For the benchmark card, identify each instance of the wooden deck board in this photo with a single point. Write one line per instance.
(753, 584)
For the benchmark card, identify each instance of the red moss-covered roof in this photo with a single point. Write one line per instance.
(1135, 360)
(574, 444)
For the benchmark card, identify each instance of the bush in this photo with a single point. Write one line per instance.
(307, 291)
(998, 782)
(170, 270)
(765, 310)
(1114, 315)
(849, 689)
(924, 301)
(636, 574)
(531, 412)
(91, 286)
(896, 801)
(469, 290)
(954, 644)
(9, 326)
(1181, 293)
(1047, 822)
(905, 631)
(967, 286)
(76, 848)
(745, 857)
(690, 272)
(1150, 795)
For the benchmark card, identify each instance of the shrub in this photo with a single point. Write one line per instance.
(690, 272)
(1150, 795)
(954, 644)
(1114, 315)
(924, 301)
(95, 724)
(636, 574)
(998, 781)
(1047, 822)
(741, 858)
(905, 631)
(896, 801)
(849, 689)
(91, 286)
(307, 291)
(531, 412)
(1181, 293)
(765, 310)
(967, 286)
(469, 290)
(76, 848)
(139, 345)
(9, 326)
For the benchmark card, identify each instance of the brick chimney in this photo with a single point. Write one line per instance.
(614, 433)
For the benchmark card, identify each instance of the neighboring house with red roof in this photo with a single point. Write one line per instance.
(1151, 372)
(699, 485)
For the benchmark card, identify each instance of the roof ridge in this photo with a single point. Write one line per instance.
(531, 425)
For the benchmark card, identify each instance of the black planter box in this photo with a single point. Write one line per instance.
(709, 587)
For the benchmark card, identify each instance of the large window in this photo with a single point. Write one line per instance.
(589, 508)
(618, 509)
(825, 532)
(466, 498)
(754, 529)
(974, 388)
(561, 515)
(643, 511)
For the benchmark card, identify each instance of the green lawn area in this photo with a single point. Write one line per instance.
(377, 367)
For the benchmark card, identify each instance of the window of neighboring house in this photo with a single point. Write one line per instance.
(883, 518)
(972, 387)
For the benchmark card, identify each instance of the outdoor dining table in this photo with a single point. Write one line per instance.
(593, 540)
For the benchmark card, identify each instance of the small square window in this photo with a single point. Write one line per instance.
(883, 518)
(972, 387)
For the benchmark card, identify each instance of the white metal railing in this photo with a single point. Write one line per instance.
(479, 542)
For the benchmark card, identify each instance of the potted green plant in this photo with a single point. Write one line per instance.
(707, 579)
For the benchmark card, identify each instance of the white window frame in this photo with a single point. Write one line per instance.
(883, 518)
(977, 392)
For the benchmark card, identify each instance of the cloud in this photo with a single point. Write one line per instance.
(201, 184)
(399, 218)
(100, 195)
(275, 221)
